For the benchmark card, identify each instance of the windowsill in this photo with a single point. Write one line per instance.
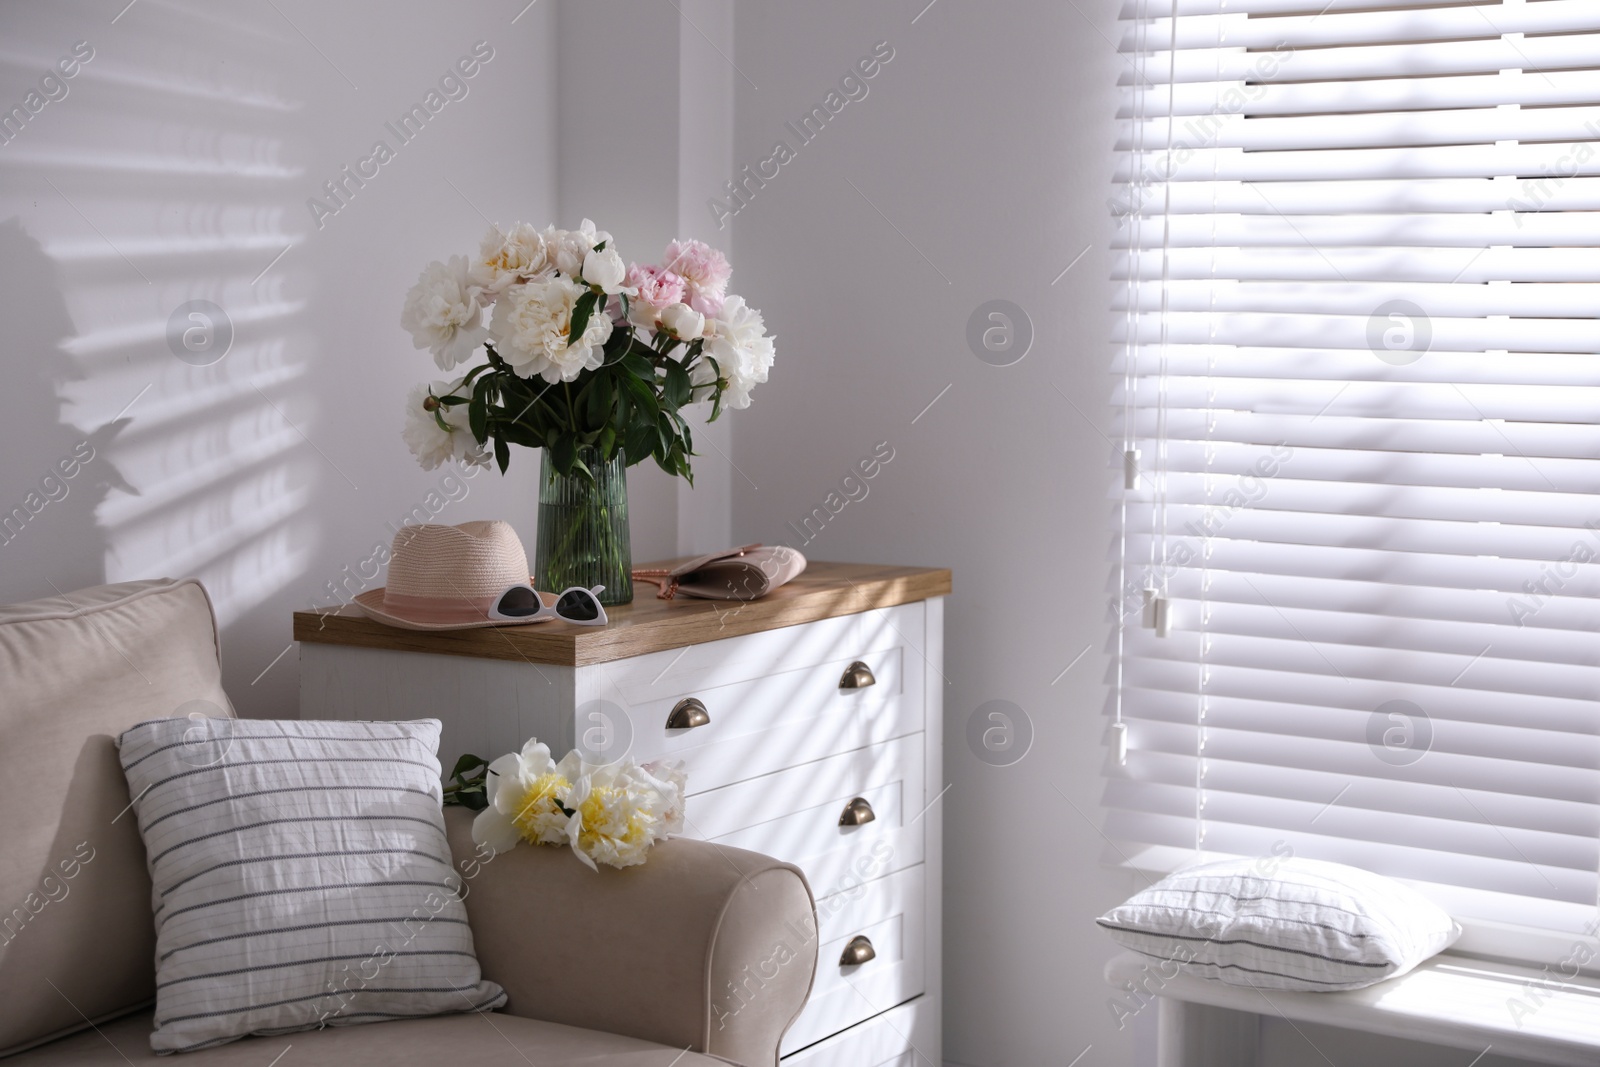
(1449, 1000)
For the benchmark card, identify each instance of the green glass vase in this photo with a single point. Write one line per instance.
(583, 528)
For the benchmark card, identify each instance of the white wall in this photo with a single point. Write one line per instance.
(177, 167)
(637, 136)
(985, 142)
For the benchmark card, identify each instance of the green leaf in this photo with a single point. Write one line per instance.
(452, 400)
(617, 346)
(677, 389)
(563, 454)
(466, 763)
(643, 396)
(502, 453)
(516, 433)
(608, 442)
(581, 311)
(599, 407)
(468, 783)
(639, 366)
(639, 441)
(478, 410)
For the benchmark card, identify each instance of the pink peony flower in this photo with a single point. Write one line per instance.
(705, 272)
(657, 287)
(706, 304)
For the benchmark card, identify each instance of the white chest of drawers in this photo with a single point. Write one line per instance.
(810, 726)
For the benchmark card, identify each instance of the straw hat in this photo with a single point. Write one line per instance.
(448, 577)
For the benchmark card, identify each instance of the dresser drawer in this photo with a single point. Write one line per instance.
(897, 1038)
(889, 912)
(773, 700)
(794, 814)
(675, 672)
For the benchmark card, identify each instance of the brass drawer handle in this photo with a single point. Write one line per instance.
(857, 676)
(856, 812)
(857, 952)
(686, 714)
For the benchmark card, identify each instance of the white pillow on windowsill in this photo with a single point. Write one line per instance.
(1306, 925)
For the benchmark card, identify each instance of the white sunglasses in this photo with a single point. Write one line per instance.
(577, 605)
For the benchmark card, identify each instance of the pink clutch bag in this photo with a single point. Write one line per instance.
(738, 574)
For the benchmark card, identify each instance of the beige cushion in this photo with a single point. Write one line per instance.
(78, 940)
(450, 1040)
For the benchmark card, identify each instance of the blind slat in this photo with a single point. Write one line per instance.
(1320, 30)
(1546, 229)
(1456, 126)
(1578, 300)
(1575, 51)
(1468, 266)
(1207, 163)
(1410, 94)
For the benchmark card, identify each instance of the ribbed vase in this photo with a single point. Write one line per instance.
(583, 529)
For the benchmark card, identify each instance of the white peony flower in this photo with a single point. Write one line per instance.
(569, 248)
(442, 313)
(525, 792)
(530, 325)
(606, 270)
(683, 322)
(642, 315)
(504, 259)
(618, 812)
(431, 443)
(737, 340)
(672, 782)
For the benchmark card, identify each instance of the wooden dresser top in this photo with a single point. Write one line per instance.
(648, 624)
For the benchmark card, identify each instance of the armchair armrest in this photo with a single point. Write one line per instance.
(702, 947)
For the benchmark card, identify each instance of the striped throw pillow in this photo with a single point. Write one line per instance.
(301, 877)
(1283, 923)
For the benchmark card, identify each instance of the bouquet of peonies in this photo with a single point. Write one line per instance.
(584, 351)
(611, 813)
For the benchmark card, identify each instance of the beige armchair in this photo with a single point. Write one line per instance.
(652, 966)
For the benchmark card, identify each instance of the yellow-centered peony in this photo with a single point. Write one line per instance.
(538, 815)
(609, 814)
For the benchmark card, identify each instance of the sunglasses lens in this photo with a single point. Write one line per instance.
(578, 605)
(518, 602)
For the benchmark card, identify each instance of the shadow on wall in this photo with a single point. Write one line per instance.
(55, 475)
(156, 341)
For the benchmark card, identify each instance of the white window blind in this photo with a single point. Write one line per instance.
(1359, 382)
